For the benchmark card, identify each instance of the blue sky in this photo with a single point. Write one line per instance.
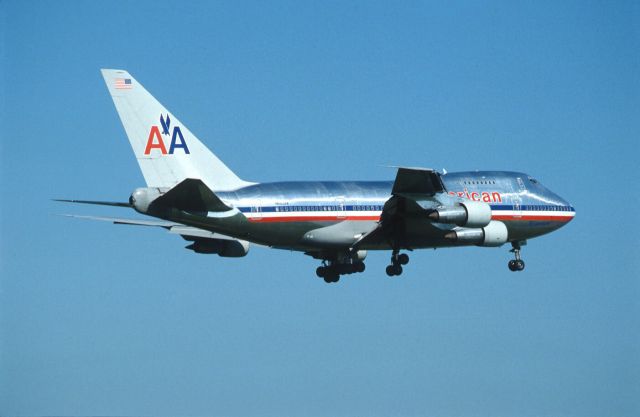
(98, 319)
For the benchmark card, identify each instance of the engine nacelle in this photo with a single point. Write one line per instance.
(222, 247)
(347, 257)
(360, 255)
(494, 234)
(478, 213)
(467, 214)
(141, 198)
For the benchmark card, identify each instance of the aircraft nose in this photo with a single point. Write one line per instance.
(569, 210)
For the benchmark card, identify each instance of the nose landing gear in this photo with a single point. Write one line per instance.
(516, 264)
(397, 260)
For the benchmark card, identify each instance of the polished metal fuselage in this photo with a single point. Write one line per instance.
(281, 214)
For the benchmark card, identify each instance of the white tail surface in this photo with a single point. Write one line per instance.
(166, 150)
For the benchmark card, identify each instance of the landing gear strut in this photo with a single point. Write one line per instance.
(397, 260)
(330, 271)
(516, 264)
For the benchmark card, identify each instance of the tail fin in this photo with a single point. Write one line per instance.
(166, 150)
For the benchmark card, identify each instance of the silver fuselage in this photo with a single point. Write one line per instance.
(281, 214)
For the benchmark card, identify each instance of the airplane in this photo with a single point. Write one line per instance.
(192, 193)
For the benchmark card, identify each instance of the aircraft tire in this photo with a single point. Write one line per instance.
(331, 276)
(403, 259)
(394, 270)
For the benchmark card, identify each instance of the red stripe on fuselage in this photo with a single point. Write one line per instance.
(533, 218)
(289, 219)
(311, 219)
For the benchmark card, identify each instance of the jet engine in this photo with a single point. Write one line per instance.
(225, 248)
(467, 214)
(494, 234)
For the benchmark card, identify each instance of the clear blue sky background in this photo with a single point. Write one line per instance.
(98, 319)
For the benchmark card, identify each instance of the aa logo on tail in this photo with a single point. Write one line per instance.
(155, 140)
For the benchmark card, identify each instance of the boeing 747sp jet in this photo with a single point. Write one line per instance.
(192, 193)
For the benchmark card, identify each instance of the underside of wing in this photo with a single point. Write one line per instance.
(404, 222)
(420, 213)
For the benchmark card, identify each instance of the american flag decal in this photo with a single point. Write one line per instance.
(123, 84)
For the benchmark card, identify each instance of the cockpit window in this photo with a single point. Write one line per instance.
(533, 180)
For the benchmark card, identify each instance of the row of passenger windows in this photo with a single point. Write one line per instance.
(281, 209)
(546, 208)
(306, 208)
(484, 182)
(328, 208)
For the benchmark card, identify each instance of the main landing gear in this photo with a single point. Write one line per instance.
(397, 260)
(330, 271)
(516, 264)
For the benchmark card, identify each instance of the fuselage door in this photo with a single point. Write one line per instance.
(342, 209)
(517, 198)
(517, 206)
(256, 209)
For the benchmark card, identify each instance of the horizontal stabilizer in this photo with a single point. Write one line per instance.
(203, 241)
(99, 203)
(187, 232)
(133, 222)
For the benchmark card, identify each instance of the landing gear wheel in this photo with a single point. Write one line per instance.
(393, 270)
(332, 268)
(516, 264)
(331, 277)
(403, 259)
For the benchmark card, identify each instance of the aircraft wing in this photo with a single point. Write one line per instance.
(417, 181)
(415, 193)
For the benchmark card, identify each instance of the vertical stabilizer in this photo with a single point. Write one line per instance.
(166, 150)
